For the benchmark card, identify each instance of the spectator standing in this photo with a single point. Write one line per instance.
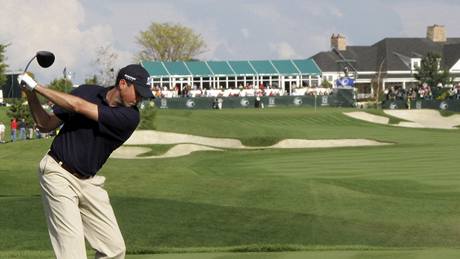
(220, 102)
(22, 129)
(31, 131)
(258, 103)
(13, 127)
(2, 132)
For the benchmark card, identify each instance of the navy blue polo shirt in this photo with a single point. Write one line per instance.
(84, 144)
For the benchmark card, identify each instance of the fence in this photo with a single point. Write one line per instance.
(448, 104)
(339, 98)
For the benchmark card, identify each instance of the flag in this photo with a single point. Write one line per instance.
(345, 82)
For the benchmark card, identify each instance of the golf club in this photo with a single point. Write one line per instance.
(44, 58)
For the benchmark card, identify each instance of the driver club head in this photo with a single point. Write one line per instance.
(45, 58)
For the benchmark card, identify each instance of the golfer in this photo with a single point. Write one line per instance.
(96, 121)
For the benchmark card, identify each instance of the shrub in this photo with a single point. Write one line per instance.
(148, 114)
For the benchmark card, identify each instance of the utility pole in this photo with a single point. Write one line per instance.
(379, 82)
(347, 62)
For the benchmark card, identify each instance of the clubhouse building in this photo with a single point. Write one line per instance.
(391, 62)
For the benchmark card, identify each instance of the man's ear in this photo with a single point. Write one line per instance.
(122, 84)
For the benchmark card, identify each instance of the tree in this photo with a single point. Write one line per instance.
(326, 84)
(430, 71)
(19, 109)
(91, 80)
(169, 42)
(105, 60)
(62, 85)
(377, 84)
(148, 115)
(3, 66)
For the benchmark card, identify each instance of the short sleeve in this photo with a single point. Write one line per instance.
(61, 113)
(118, 122)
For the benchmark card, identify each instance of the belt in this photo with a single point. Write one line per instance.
(67, 168)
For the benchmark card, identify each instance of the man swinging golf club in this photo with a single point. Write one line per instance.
(96, 121)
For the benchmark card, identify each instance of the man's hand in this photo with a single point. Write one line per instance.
(27, 81)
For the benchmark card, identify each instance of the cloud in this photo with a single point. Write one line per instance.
(50, 25)
(232, 30)
(245, 32)
(336, 12)
(283, 50)
(415, 22)
(265, 11)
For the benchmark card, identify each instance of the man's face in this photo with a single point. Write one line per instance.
(128, 94)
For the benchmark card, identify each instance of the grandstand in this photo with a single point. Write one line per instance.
(283, 75)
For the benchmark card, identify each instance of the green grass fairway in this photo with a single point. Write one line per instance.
(395, 254)
(323, 254)
(395, 201)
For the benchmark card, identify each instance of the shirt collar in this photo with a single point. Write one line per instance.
(103, 94)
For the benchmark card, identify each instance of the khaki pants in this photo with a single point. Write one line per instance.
(77, 209)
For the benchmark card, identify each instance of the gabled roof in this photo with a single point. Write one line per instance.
(395, 49)
(451, 54)
(360, 57)
(396, 54)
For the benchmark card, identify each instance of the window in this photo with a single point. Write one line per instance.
(415, 63)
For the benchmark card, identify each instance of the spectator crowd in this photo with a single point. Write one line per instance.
(423, 92)
(21, 130)
(249, 90)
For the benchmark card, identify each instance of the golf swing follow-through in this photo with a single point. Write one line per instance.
(95, 121)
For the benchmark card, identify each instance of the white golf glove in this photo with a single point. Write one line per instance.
(27, 81)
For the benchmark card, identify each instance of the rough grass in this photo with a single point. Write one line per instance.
(155, 150)
(260, 141)
(447, 113)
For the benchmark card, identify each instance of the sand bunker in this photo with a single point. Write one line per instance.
(368, 117)
(186, 144)
(422, 118)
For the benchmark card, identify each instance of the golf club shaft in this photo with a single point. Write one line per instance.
(25, 70)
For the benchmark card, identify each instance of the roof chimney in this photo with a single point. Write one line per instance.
(436, 33)
(338, 42)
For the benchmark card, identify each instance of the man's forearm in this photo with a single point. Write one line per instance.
(63, 100)
(40, 116)
(69, 102)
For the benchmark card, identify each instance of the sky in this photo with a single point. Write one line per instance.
(233, 29)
